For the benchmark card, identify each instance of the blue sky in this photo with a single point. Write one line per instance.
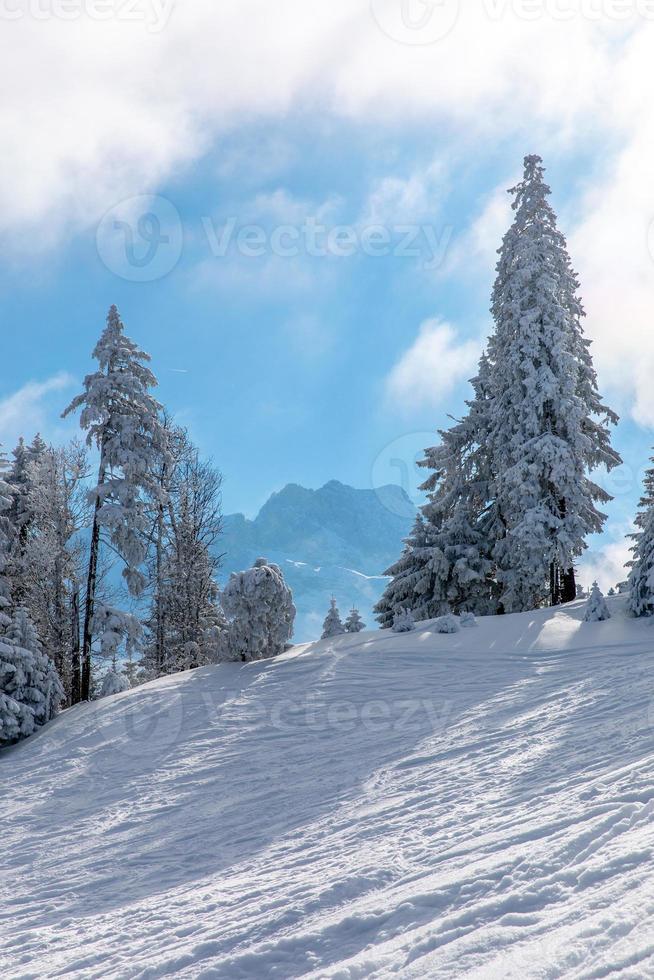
(308, 367)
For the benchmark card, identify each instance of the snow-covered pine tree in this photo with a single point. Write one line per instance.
(17, 694)
(640, 584)
(641, 576)
(548, 427)
(411, 578)
(457, 514)
(354, 623)
(446, 561)
(42, 690)
(54, 551)
(333, 625)
(19, 482)
(7, 533)
(122, 420)
(186, 620)
(597, 609)
(260, 612)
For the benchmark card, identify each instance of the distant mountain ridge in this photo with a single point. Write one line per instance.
(336, 540)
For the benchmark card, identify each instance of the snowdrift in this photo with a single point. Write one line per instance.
(470, 805)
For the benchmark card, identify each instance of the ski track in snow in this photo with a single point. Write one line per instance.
(472, 805)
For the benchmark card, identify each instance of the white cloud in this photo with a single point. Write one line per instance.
(606, 565)
(130, 106)
(396, 200)
(103, 110)
(476, 250)
(33, 408)
(435, 363)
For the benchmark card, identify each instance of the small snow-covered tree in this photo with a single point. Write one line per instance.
(354, 623)
(260, 613)
(597, 609)
(122, 420)
(467, 620)
(403, 621)
(333, 625)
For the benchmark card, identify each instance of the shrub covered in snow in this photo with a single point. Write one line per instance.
(403, 621)
(333, 625)
(114, 682)
(467, 620)
(261, 614)
(597, 609)
(447, 624)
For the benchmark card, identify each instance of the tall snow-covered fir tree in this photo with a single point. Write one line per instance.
(510, 499)
(547, 426)
(122, 420)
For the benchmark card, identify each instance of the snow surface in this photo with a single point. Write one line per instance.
(472, 805)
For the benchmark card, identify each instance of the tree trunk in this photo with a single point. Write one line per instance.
(91, 584)
(569, 590)
(160, 626)
(76, 692)
(87, 640)
(555, 586)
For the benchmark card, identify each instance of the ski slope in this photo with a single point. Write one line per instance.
(475, 805)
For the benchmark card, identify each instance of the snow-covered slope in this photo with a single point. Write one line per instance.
(474, 805)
